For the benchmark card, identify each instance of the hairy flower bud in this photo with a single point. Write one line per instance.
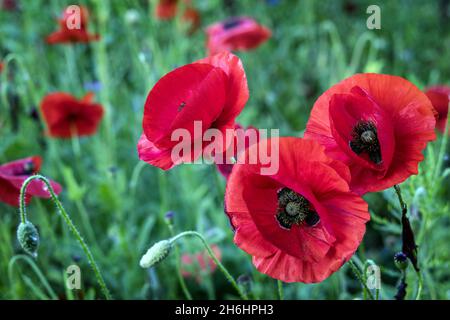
(158, 252)
(28, 237)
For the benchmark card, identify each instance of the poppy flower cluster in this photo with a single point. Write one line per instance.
(235, 34)
(73, 28)
(302, 223)
(14, 174)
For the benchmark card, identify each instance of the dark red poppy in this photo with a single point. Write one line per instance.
(440, 99)
(242, 140)
(10, 5)
(199, 264)
(1, 66)
(213, 91)
(66, 116)
(302, 223)
(238, 33)
(69, 33)
(377, 124)
(167, 9)
(14, 174)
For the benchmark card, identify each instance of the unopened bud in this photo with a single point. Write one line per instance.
(28, 237)
(401, 260)
(158, 252)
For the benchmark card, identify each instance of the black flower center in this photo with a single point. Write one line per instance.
(293, 208)
(29, 168)
(365, 141)
(231, 23)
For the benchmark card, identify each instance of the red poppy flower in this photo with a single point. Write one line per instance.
(71, 34)
(242, 140)
(302, 223)
(377, 124)
(199, 264)
(213, 91)
(440, 99)
(66, 116)
(14, 174)
(10, 5)
(167, 9)
(238, 33)
(1, 66)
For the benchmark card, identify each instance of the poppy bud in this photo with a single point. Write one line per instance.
(28, 237)
(158, 252)
(401, 260)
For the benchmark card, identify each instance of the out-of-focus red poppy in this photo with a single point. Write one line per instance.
(302, 223)
(66, 116)
(243, 138)
(10, 5)
(73, 28)
(213, 91)
(14, 174)
(167, 9)
(238, 33)
(440, 99)
(1, 66)
(198, 264)
(377, 124)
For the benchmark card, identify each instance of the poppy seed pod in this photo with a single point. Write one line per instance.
(28, 237)
(158, 252)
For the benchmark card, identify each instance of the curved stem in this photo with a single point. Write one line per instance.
(183, 285)
(213, 256)
(360, 277)
(35, 268)
(420, 285)
(280, 289)
(62, 211)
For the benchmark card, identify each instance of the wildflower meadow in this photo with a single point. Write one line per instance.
(229, 150)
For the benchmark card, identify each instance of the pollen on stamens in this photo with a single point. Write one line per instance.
(365, 141)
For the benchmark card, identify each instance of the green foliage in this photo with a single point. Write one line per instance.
(119, 204)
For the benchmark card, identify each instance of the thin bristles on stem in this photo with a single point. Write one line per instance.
(23, 217)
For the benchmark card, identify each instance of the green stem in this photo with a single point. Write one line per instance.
(360, 277)
(178, 262)
(68, 221)
(213, 256)
(280, 289)
(420, 285)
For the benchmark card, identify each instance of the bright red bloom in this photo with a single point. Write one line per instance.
(199, 264)
(167, 9)
(66, 116)
(302, 223)
(69, 33)
(213, 90)
(440, 99)
(14, 174)
(377, 124)
(1, 66)
(238, 33)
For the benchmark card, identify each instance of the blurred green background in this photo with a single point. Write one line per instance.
(120, 204)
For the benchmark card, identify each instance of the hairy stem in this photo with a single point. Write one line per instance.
(213, 256)
(68, 221)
